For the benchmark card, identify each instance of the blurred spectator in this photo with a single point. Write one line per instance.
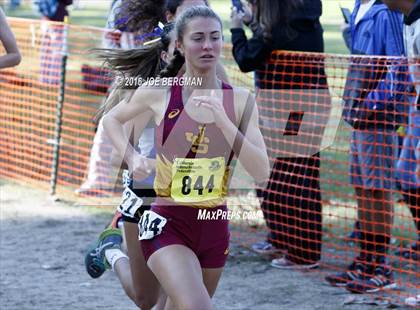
(14, 4)
(52, 38)
(53, 10)
(374, 106)
(132, 23)
(12, 57)
(113, 39)
(409, 160)
(291, 205)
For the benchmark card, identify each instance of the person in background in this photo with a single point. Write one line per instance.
(13, 56)
(14, 4)
(132, 23)
(292, 206)
(54, 10)
(408, 166)
(112, 37)
(375, 30)
(130, 268)
(124, 30)
(52, 38)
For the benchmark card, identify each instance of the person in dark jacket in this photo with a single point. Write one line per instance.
(292, 199)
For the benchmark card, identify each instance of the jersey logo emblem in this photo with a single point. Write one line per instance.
(215, 165)
(173, 113)
(200, 143)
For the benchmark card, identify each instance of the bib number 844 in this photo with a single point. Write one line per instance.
(198, 185)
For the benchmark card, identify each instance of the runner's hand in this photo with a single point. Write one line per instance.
(141, 167)
(236, 18)
(215, 105)
(247, 18)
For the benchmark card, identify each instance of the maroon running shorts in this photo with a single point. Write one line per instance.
(208, 238)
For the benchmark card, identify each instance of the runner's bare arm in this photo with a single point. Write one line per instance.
(13, 57)
(145, 100)
(248, 144)
(133, 129)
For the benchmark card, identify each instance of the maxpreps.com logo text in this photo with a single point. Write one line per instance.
(209, 214)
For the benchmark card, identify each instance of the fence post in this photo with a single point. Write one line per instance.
(59, 112)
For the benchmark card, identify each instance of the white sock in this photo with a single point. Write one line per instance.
(112, 255)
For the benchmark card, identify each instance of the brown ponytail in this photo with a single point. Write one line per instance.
(174, 66)
(142, 62)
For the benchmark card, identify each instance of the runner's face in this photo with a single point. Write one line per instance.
(202, 43)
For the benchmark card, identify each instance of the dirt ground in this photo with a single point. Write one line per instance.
(42, 245)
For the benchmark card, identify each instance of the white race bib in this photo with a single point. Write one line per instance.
(126, 178)
(150, 225)
(130, 203)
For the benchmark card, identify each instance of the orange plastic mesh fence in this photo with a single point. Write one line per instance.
(29, 97)
(342, 135)
(341, 132)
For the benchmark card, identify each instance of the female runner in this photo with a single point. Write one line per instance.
(199, 129)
